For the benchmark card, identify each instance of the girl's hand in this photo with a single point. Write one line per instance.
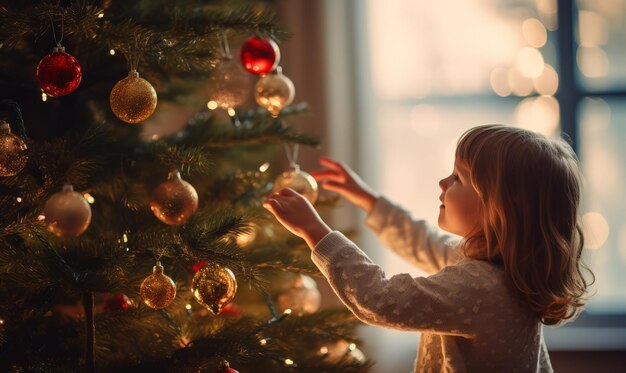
(341, 179)
(297, 215)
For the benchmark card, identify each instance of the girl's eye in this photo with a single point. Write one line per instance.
(455, 177)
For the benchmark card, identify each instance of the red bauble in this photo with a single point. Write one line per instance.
(225, 368)
(196, 267)
(58, 73)
(118, 302)
(260, 56)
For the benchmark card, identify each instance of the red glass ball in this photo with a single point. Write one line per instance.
(118, 302)
(58, 73)
(260, 56)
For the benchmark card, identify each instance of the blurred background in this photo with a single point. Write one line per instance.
(393, 84)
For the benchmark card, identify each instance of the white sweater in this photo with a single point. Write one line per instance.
(470, 321)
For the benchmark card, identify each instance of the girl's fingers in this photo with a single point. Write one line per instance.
(327, 162)
(288, 192)
(322, 175)
(335, 187)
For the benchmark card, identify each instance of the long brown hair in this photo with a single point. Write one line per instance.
(530, 190)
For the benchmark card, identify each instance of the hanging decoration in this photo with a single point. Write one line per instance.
(229, 83)
(214, 286)
(296, 179)
(274, 91)
(133, 99)
(13, 155)
(67, 213)
(259, 55)
(174, 200)
(58, 73)
(300, 296)
(157, 290)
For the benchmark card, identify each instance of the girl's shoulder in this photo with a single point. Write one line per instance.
(474, 273)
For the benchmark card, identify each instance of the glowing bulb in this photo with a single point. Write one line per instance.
(44, 97)
(324, 350)
(212, 105)
(231, 112)
(155, 137)
(1, 321)
(19, 199)
(125, 237)
(112, 52)
(188, 306)
(101, 15)
(287, 311)
(264, 167)
(352, 346)
(89, 198)
(41, 217)
(288, 362)
(263, 342)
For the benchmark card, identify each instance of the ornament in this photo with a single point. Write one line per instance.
(340, 350)
(58, 73)
(260, 56)
(299, 181)
(231, 309)
(13, 156)
(67, 213)
(118, 302)
(274, 91)
(157, 290)
(133, 99)
(225, 368)
(174, 200)
(301, 296)
(214, 286)
(228, 85)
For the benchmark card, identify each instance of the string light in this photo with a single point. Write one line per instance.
(1, 321)
(41, 217)
(44, 97)
(112, 52)
(288, 362)
(231, 112)
(19, 199)
(352, 346)
(101, 15)
(263, 342)
(287, 311)
(324, 350)
(89, 198)
(264, 167)
(212, 105)
(125, 237)
(188, 306)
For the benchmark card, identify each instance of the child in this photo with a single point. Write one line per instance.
(513, 197)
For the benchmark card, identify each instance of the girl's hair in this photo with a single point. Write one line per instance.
(530, 190)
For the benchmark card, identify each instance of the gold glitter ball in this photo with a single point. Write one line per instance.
(229, 84)
(13, 156)
(67, 213)
(298, 180)
(274, 91)
(174, 200)
(133, 99)
(157, 290)
(214, 286)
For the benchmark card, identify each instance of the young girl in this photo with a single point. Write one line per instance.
(513, 197)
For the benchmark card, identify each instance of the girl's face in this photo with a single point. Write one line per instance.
(460, 211)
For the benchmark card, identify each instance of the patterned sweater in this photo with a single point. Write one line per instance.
(469, 320)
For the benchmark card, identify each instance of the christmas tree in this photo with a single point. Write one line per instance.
(130, 245)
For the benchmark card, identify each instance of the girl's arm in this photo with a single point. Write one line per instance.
(414, 240)
(447, 302)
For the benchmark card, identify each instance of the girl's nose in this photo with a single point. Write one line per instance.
(442, 184)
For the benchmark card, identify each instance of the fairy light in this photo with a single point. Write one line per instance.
(231, 112)
(188, 306)
(112, 52)
(352, 347)
(264, 167)
(287, 311)
(288, 362)
(41, 217)
(89, 198)
(263, 342)
(324, 350)
(44, 97)
(101, 15)
(1, 321)
(19, 199)
(212, 105)
(155, 137)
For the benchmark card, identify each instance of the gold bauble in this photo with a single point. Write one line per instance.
(299, 181)
(274, 91)
(301, 296)
(67, 213)
(13, 156)
(229, 84)
(157, 290)
(214, 286)
(174, 200)
(133, 99)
